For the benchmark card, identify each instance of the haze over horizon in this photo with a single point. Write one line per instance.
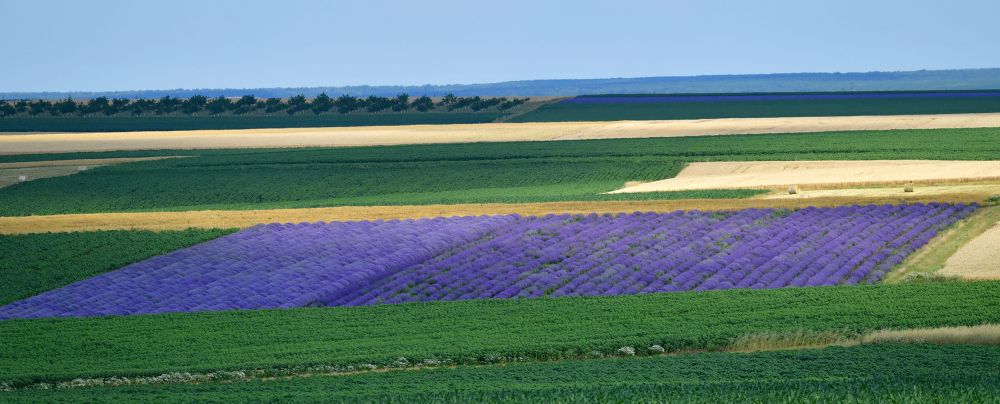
(114, 45)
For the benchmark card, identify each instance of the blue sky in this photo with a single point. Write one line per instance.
(131, 45)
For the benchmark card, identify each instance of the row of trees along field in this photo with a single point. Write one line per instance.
(248, 104)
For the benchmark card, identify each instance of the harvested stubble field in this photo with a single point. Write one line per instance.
(209, 219)
(463, 133)
(979, 259)
(820, 174)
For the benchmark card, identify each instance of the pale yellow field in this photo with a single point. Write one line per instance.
(10, 172)
(491, 132)
(979, 259)
(820, 174)
(928, 190)
(985, 334)
(247, 218)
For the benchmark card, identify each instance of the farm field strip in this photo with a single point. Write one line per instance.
(979, 259)
(806, 96)
(708, 106)
(209, 219)
(464, 133)
(510, 256)
(469, 332)
(949, 335)
(819, 174)
(886, 191)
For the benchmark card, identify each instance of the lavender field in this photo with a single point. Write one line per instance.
(364, 263)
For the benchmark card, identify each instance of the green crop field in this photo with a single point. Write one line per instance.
(34, 263)
(475, 331)
(563, 111)
(877, 373)
(455, 173)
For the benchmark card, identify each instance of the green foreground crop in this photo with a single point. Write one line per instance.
(486, 331)
(449, 173)
(877, 373)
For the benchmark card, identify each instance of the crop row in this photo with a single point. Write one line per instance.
(472, 331)
(563, 255)
(878, 373)
(275, 265)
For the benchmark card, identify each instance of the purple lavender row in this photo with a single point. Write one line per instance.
(769, 97)
(360, 263)
(266, 266)
(644, 253)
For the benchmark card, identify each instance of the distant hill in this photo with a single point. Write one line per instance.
(963, 79)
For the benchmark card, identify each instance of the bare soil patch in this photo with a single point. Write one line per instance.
(490, 132)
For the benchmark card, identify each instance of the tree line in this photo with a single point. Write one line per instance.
(248, 104)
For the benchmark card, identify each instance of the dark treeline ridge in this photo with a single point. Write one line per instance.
(957, 79)
(251, 105)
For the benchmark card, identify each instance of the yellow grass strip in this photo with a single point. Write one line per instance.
(934, 256)
(247, 218)
(930, 190)
(790, 340)
(462, 133)
(986, 334)
(80, 162)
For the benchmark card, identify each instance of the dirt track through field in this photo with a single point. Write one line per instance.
(247, 218)
(819, 174)
(10, 173)
(979, 259)
(490, 132)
